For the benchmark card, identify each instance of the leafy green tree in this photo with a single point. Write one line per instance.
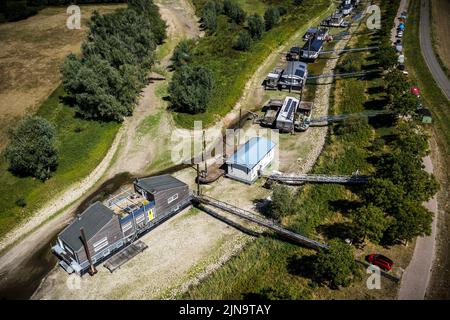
(191, 89)
(369, 222)
(396, 84)
(335, 265)
(284, 203)
(405, 169)
(150, 10)
(383, 193)
(32, 151)
(387, 56)
(411, 220)
(405, 104)
(271, 17)
(182, 54)
(411, 139)
(255, 26)
(243, 41)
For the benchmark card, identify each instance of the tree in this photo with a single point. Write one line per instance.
(369, 222)
(150, 10)
(335, 265)
(396, 84)
(271, 17)
(284, 203)
(411, 220)
(405, 169)
(411, 139)
(191, 89)
(31, 150)
(383, 193)
(387, 56)
(243, 41)
(404, 105)
(256, 26)
(182, 54)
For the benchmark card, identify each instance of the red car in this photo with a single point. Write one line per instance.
(380, 261)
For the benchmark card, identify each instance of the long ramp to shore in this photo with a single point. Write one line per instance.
(250, 216)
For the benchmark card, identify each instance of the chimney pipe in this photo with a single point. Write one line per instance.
(92, 269)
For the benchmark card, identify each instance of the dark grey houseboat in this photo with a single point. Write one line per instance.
(106, 228)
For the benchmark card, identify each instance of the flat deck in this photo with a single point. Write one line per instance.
(117, 260)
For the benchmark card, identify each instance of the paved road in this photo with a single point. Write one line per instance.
(427, 49)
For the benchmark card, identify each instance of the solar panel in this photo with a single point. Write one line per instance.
(291, 109)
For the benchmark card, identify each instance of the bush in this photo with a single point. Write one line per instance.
(234, 11)
(209, 16)
(271, 18)
(191, 89)
(21, 202)
(256, 26)
(182, 54)
(243, 41)
(31, 151)
(284, 203)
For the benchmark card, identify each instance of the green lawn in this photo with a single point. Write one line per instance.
(81, 144)
(232, 68)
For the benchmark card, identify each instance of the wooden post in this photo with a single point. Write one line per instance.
(198, 179)
(92, 269)
(204, 152)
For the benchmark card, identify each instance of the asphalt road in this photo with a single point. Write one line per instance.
(427, 49)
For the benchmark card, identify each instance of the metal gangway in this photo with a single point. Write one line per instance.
(253, 217)
(319, 178)
(342, 75)
(341, 117)
(349, 50)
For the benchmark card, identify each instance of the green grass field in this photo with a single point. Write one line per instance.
(81, 145)
(233, 68)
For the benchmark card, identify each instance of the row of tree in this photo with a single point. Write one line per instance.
(105, 81)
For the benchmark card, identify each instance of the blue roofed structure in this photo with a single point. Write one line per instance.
(250, 159)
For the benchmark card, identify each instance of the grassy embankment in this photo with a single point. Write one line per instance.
(440, 23)
(232, 68)
(435, 100)
(271, 268)
(81, 146)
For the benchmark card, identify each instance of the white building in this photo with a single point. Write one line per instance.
(248, 162)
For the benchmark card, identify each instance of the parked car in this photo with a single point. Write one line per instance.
(383, 262)
(399, 48)
(400, 34)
